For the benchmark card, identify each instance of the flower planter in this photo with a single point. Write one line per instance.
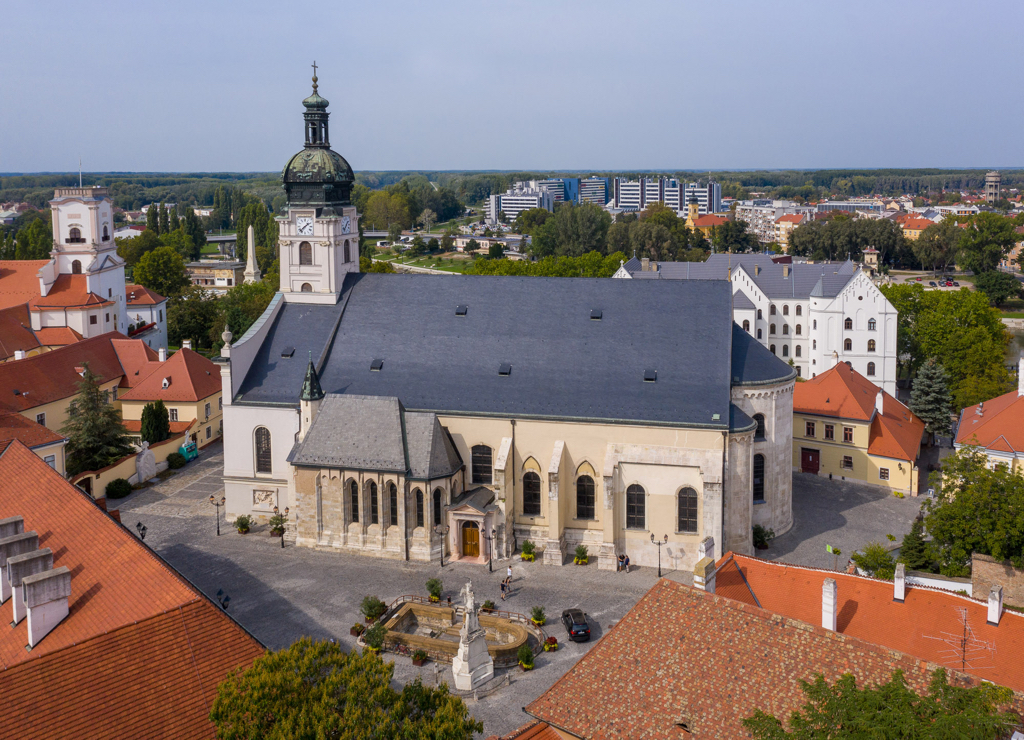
(527, 558)
(243, 531)
(276, 533)
(419, 661)
(538, 622)
(580, 561)
(550, 648)
(526, 667)
(434, 599)
(355, 633)
(370, 620)
(372, 649)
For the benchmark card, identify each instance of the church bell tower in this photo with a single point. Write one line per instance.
(319, 235)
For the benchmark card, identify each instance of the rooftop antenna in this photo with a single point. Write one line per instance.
(964, 649)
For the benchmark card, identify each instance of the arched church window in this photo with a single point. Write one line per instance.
(758, 479)
(746, 326)
(374, 506)
(585, 499)
(771, 309)
(264, 464)
(482, 464)
(531, 494)
(305, 253)
(799, 310)
(306, 288)
(872, 324)
(419, 508)
(785, 328)
(75, 235)
(346, 251)
(759, 434)
(871, 345)
(760, 316)
(798, 351)
(771, 329)
(772, 348)
(354, 494)
(687, 511)
(799, 329)
(785, 350)
(848, 324)
(785, 310)
(393, 504)
(759, 332)
(76, 268)
(871, 368)
(847, 345)
(437, 507)
(636, 507)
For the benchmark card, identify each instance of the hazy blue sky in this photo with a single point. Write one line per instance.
(214, 86)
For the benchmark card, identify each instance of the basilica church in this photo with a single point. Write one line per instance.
(420, 417)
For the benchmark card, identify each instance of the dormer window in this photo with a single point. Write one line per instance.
(166, 383)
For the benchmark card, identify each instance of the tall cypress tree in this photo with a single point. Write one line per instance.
(914, 551)
(175, 222)
(96, 436)
(156, 425)
(930, 398)
(153, 219)
(164, 223)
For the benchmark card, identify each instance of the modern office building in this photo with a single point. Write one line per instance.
(516, 200)
(556, 186)
(630, 195)
(593, 190)
(709, 196)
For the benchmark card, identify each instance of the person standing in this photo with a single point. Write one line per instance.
(510, 574)
(502, 590)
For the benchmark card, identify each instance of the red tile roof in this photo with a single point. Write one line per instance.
(192, 376)
(917, 224)
(57, 336)
(140, 647)
(921, 626)
(683, 655)
(709, 220)
(16, 331)
(791, 218)
(15, 426)
(137, 295)
(177, 427)
(19, 281)
(1000, 426)
(68, 291)
(135, 357)
(531, 731)
(51, 376)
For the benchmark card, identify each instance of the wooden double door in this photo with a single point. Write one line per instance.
(470, 540)
(810, 460)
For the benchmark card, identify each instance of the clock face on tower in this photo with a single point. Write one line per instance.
(305, 226)
(346, 225)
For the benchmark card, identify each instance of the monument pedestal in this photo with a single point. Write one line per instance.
(472, 666)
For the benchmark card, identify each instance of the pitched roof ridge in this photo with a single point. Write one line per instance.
(192, 655)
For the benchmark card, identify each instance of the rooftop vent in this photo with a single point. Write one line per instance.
(287, 352)
(17, 392)
(460, 310)
(166, 383)
(595, 315)
(505, 369)
(650, 376)
(716, 417)
(376, 365)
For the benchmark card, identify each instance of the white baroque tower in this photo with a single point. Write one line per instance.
(319, 236)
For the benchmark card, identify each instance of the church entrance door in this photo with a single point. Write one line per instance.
(470, 540)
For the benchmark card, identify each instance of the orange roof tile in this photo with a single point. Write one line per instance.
(177, 427)
(68, 291)
(532, 731)
(709, 220)
(791, 218)
(16, 331)
(137, 632)
(19, 281)
(896, 432)
(137, 295)
(686, 656)
(15, 426)
(1001, 418)
(917, 224)
(135, 357)
(867, 611)
(51, 376)
(57, 336)
(192, 376)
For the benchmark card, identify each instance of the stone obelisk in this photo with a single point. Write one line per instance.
(472, 665)
(252, 272)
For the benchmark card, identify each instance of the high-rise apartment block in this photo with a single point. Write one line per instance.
(594, 190)
(517, 200)
(630, 195)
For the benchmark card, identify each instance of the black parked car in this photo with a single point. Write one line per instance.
(575, 623)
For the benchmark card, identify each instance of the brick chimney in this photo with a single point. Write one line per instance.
(757, 270)
(16, 544)
(706, 548)
(46, 596)
(900, 583)
(20, 567)
(186, 344)
(785, 271)
(829, 604)
(880, 402)
(704, 575)
(19, 354)
(995, 604)
(645, 264)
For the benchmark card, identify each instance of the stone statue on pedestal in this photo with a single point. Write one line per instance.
(145, 463)
(472, 665)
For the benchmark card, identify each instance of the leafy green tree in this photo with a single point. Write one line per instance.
(496, 250)
(315, 690)
(618, 237)
(193, 227)
(34, 241)
(240, 308)
(986, 240)
(650, 239)
(181, 243)
(162, 270)
(132, 248)
(153, 219)
(427, 218)
(96, 435)
(930, 399)
(156, 422)
(472, 245)
(368, 265)
(592, 264)
(264, 226)
(876, 560)
(915, 551)
(732, 236)
(175, 222)
(447, 243)
(433, 245)
(395, 233)
(164, 222)
(418, 246)
(891, 711)
(936, 247)
(528, 221)
(192, 315)
(978, 510)
(998, 286)
(384, 210)
(573, 231)
(842, 237)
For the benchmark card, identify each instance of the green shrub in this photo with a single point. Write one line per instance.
(277, 523)
(581, 552)
(176, 460)
(762, 536)
(372, 607)
(243, 523)
(374, 637)
(488, 605)
(525, 655)
(420, 655)
(537, 614)
(118, 488)
(528, 547)
(876, 560)
(434, 587)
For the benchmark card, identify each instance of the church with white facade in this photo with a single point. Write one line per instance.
(416, 417)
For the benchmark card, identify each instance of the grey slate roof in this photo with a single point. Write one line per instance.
(480, 498)
(755, 364)
(739, 421)
(432, 453)
(564, 364)
(741, 302)
(359, 432)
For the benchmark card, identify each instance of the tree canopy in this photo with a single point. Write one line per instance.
(986, 240)
(891, 711)
(998, 286)
(592, 264)
(162, 270)
(930, 398)
(96, 436)
(156, 424)
(842, 237)
(317, 691)
(936, 247)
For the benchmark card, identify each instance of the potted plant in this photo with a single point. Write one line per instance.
(525, 657)
(529, 553)
(551, 644)
(357, 629)
(372, 608)
(762, 537)
(419, 657)
(374, 637)
(488, 606)
(243, 524)
(537, 616)
(277, 525)
(581, 555)
(434, 587)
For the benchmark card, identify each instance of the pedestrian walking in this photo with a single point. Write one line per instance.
(508, 585)
(502, 590)
(510, 574)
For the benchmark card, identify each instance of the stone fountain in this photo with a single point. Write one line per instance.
(472, 665)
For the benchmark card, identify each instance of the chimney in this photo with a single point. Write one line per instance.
(1020, 375)
(162, 354)
(19, 354)
(757, 270)
(900, 583)
(12, 525)
(16, 544)
(785, 271)
(704, 575)
(829, 602)
(995, 604)
(645, 264)
(186, 344)
(880, 402)
(706, 549)
(46, 596)
(20, 567)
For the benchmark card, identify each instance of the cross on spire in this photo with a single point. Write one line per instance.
(314, 76)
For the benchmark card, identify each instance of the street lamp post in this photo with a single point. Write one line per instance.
(659, 543)
(286, 509)
(443, 530)
(218, 503)
(489, 538)
(141, 529)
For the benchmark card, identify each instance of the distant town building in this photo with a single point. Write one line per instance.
(997, 426)
(515, 201)
(636, 195)
(912, 227)
(594, 190)
(784, 226)
(871, 205)
(761, 216)
(992, 182)
(217, 276)
(147, 310)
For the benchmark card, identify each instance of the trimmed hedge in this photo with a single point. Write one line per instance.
(176, 460)
(118, 488)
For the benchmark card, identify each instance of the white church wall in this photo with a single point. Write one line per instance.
(240, 477)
